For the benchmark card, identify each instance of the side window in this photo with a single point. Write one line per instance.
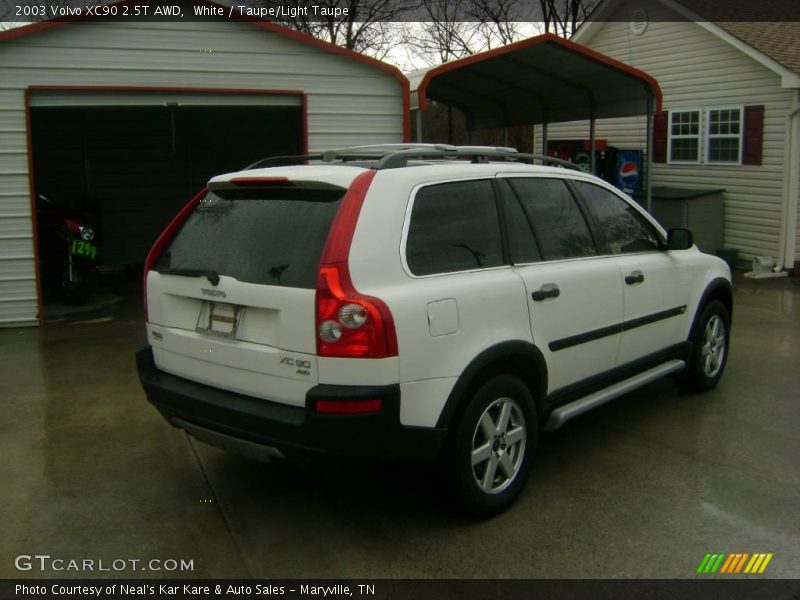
(557, 220)
(521, 242)
(454, 227)
(684, 136)
(624, 228)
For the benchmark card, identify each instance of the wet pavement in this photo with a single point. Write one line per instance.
(642, 487)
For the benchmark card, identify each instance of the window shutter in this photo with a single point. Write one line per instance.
(660, 126)
(753, 134)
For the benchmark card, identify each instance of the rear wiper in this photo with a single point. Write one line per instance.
(209, 274)
(276, 272)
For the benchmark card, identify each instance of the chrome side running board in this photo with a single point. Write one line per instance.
(569, 411)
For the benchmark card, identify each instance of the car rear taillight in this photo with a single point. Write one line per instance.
(164, 238)
(349, 324)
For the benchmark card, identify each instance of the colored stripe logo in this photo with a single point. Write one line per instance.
(735, 563)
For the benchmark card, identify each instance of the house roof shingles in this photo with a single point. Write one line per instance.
(771, 27)
(778, 40)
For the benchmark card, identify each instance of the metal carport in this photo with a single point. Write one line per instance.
(540, 80)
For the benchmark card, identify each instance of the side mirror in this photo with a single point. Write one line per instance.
(679, 239)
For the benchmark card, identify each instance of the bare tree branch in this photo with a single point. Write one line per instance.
(497, 17)
(369, 25)
(445, 35)
(564, 16)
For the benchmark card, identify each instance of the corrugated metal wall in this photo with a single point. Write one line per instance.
(696, 70)
(348, 102)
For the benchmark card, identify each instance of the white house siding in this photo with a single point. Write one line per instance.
(697, 69)
(348, 102)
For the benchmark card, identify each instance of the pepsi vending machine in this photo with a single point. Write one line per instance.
(629, 171)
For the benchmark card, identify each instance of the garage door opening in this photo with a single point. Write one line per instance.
(125, 171)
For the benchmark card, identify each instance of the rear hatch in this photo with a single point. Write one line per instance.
(231, 300)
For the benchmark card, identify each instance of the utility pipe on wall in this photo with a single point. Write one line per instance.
(788, 237)
(649, 160)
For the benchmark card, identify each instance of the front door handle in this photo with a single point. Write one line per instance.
(548, 290)
(634, 278)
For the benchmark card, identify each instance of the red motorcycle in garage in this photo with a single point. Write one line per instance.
(67, 251)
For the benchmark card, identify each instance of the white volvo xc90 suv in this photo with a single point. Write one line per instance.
(432, 302)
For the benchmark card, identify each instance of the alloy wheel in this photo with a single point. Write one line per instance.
(498, 445)
(712, 353)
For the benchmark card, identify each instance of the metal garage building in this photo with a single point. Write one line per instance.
(129, 119)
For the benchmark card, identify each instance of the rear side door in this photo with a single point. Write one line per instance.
(655, 284)
(574, 296)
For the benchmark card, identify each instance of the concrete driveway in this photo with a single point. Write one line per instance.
(643, 487)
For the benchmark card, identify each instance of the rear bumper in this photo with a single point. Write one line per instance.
(201, 408)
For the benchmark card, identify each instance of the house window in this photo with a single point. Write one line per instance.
(684, 136)
(725, 135)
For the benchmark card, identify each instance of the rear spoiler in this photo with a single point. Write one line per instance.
(235, 183)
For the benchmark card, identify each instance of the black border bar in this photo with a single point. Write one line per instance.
(706, 588)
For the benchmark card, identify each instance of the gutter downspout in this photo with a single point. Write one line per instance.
(592, 130)
(786, 248)
(649, 165)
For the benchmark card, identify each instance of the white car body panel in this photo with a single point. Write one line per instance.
(665, 287)
(358, 371)
(703, 270)
(442, 321)
(241, 367)
(334, 176)
(590, 298)
(424, 400)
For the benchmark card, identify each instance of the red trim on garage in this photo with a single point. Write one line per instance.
(266, 26)
(547, 38)
(34, 217)
(29, 29)
(161, 89)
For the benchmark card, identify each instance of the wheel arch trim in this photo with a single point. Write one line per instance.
(718, 283)
(493, 357)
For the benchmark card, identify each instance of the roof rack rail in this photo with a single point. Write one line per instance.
(476, 154)
(395, 156)
(367, 152)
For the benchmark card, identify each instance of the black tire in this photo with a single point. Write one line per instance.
(709, 350)
(513, 453)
